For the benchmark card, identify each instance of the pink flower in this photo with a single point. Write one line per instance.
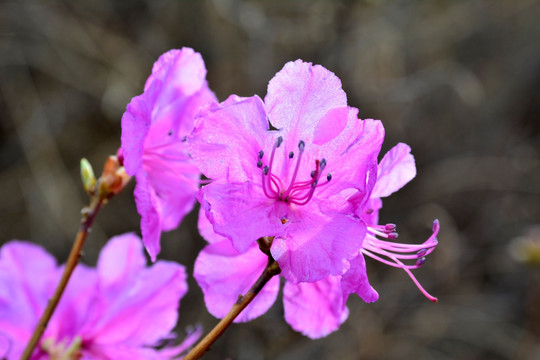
(117, 311)
(154, 128)
(288, 182)
(313, 308)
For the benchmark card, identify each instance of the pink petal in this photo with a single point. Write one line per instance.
(142, 306)
(224, 274)
(352, 156)
(149, 209)
(28, 276)
(317, 244)
(175, 185)
(119, 260)
(227, 138)
(299, 96)
(135, 126)
(355, 280)
(241, 213)
(396, 169)
(315, 309)
(207, 230)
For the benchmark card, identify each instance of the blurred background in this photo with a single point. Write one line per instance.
(459, 81)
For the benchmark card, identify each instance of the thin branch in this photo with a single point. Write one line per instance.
(271, 269)
(88, 218)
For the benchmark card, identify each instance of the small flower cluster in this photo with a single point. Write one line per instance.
(292, 179)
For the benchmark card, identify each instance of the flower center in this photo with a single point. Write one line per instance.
(296, 192)
(391, 253)
(62, 350)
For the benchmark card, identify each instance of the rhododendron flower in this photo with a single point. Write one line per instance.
(154, 128)
(117, 311)
(313, 308)
(288, 182)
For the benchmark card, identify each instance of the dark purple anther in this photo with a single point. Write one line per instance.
(422, 252)
(259, 163)
(265, 170)
(329, 177)
(291, 155)
(420, 261)
(261, 154)
(390, 227)
(279, 141)
(393, 235)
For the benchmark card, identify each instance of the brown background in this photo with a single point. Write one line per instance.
(459, 81)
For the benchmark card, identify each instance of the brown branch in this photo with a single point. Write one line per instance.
(271, 269)
(89, 214)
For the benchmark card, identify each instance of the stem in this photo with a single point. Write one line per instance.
(89, 214)
(272, 268)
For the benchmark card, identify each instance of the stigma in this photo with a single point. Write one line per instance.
(404, 256)
(291, 191)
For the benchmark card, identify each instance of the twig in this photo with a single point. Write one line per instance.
(87, 220)
(272, 268)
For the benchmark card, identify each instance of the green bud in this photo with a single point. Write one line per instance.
(88, 177)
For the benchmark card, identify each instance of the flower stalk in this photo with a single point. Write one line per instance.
(111, 182)
(271, 269)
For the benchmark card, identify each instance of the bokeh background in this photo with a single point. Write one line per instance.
(459, 81)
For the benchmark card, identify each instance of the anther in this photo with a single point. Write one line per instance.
(265, 170)
(291, 155)
(390, 227)
(393, 235)
(259, 163)
(301, 145)
(329, 177)
(323, 163)
(420, 261)
(312, 174)
(314, 184)
(279, 141)
(261, 154)
(421, 252)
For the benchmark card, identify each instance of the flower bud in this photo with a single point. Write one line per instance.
(88, 177)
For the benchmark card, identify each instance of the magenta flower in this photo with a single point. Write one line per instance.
(288, 182)
(313, 308)
(117, 311)
(154, 128)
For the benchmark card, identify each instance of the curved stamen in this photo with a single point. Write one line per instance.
(393, 253)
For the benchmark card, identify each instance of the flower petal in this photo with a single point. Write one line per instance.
(28, 276)
(119, 260)
(240, 213)
(135, 126)
(396, 169)
(206, 229)
(299, 96)
(139, 308)
(227, 138)
(315, 309)
(317, 244)
(224, 274)
(355, 280)
(149, 209)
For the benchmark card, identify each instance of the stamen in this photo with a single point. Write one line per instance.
(393, 253)
(279, 141)
(261, 154)
(291, 155)
(329, 177)
(259, 163)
